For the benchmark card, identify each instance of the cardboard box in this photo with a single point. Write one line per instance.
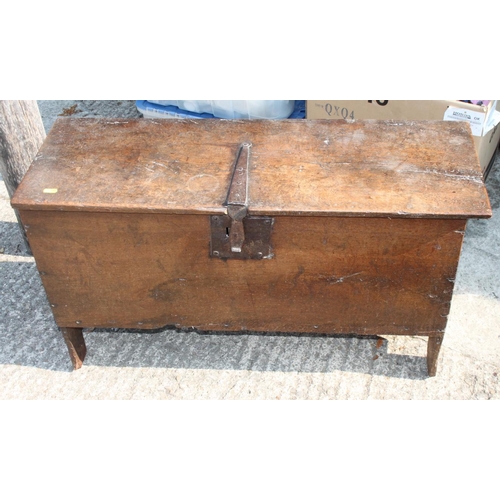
(484, 120)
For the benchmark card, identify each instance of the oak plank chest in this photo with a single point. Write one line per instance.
(286, 226)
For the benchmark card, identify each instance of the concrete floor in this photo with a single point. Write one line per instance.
(170, 364)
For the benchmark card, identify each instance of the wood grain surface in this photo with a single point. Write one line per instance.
(311, 167)
(21, 135)
(328, 274)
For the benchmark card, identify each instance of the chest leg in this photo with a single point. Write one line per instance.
(76, 345)
(433, 347)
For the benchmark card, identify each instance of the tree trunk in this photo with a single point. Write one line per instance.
(21, 135)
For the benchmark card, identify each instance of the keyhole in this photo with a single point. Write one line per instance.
(227, 232)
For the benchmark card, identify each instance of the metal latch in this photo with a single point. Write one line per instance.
(238, 235)
(237, 197)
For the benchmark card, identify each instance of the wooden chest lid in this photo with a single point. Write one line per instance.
(306, 167)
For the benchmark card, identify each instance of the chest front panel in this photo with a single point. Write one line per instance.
(326, 274)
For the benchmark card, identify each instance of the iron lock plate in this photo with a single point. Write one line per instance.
(257, 243)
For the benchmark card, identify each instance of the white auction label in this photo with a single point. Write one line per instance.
(475, 119)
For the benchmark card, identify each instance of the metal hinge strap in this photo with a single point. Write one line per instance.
(238, 235)
(237, 197)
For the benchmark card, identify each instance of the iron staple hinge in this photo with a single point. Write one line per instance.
(238, 235)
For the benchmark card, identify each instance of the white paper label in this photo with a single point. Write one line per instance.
(475, 119)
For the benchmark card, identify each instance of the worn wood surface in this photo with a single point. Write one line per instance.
(21, 135)
(328, 275)
(323, 167)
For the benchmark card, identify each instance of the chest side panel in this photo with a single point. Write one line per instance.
(328, 275)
